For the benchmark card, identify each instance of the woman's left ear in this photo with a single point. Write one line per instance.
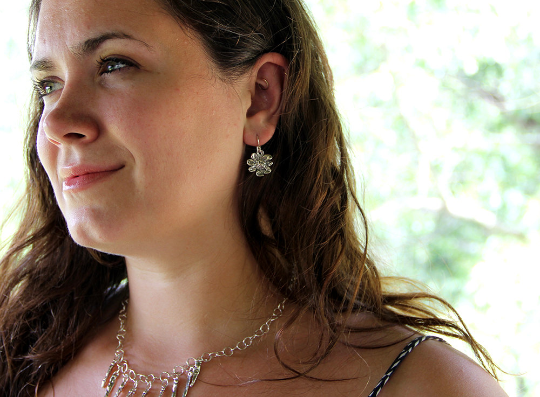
(266, 85)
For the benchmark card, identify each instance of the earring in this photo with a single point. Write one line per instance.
(260, 163)
(266, 86)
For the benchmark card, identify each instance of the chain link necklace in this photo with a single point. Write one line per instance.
(120, 368)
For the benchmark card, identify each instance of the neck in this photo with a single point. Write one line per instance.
(181, 309)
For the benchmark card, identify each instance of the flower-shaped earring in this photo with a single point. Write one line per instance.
(260, 163)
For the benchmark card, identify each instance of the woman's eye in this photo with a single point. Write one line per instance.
(110, 65)
(46, 87)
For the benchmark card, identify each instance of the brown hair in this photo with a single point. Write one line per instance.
(53, 292)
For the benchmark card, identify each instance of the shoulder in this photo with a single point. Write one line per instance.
(434, 368)
(83, 374)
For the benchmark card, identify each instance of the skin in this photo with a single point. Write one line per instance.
(131, 94)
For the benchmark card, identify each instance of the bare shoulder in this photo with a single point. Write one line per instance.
(434, 368)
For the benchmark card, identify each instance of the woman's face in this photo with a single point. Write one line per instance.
(141, 140)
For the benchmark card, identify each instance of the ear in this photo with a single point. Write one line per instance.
(266, 85)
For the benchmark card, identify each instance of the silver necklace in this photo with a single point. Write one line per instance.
(120, 368)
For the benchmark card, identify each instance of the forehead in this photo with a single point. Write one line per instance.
(72, 21)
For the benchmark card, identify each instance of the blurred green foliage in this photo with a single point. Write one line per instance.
(442, 100)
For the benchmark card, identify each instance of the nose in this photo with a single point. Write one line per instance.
(70, 120)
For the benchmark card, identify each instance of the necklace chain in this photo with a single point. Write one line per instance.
(120, 368)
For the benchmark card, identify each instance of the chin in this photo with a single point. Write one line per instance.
(91, 241)
(103, 237)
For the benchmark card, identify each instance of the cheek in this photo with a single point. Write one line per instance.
(47, 153)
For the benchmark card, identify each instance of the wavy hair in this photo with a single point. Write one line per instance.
(303, 222)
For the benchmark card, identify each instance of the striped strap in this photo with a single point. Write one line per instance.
(386, 377)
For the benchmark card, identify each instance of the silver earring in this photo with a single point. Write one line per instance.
(260, 163)
(267, 86)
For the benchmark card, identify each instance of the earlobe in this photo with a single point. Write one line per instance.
(266, 85)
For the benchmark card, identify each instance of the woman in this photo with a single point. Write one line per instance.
(243, 279)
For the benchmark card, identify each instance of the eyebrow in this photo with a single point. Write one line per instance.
(86, 47)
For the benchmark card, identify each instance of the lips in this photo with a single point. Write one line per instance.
(82, 176)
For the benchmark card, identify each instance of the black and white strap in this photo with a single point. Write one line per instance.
(409, 348)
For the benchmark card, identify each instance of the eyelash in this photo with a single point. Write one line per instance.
(105, 66)
(105, 63)
(40, 87)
